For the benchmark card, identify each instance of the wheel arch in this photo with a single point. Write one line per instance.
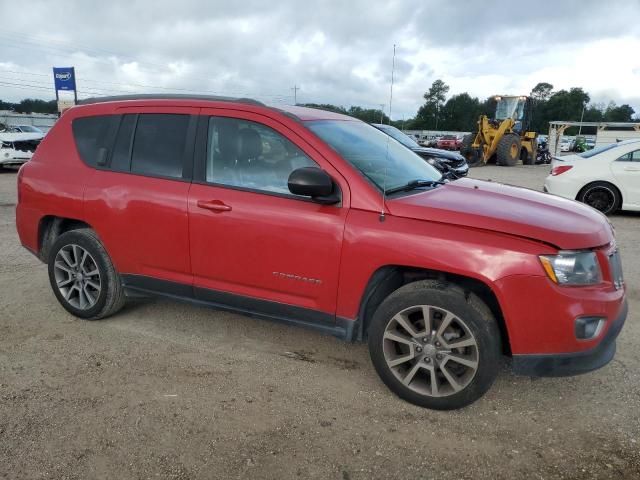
(50, 228)
(387, 279)
(608, 182)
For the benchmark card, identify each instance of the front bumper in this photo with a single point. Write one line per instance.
(566, 364)
(462, 171)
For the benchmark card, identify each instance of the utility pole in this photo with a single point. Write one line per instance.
(584, 105)
(295, 94)
(381, 112)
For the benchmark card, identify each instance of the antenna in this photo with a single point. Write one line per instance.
(384, 181)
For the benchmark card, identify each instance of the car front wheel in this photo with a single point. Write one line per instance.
(435, 346)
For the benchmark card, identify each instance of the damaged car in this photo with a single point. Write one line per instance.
(17, 148)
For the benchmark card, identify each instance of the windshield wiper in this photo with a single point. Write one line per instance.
(413, 185)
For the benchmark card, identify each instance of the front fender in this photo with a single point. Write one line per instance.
(370, 244)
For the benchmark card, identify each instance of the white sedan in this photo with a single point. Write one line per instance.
(566, 145)
(606, 178)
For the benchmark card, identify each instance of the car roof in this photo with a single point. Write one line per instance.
(628, 142)
(297, 112)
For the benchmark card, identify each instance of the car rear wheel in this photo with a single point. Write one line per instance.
(434, 346)
(602, 196)
(83, 277)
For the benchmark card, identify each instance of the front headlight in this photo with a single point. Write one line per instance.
(572, 268)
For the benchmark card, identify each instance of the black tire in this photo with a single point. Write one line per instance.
(466, 307)
(111, 296)
(603, 196)
(508, 151)
(473, 156)
(529, 159)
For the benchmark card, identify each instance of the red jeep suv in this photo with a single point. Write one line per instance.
(317, 219)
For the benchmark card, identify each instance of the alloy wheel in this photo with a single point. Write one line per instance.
(600, 198)
(77, 276)
(431, 350)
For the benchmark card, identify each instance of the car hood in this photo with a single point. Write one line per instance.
(437, 152)
(512, 210)
(19, 137)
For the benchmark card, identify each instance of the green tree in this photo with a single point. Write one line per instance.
(539, 97)
(325, 106)
(368, 115)
(434, 101)
(593, 113)
(623, 113)
(566, 105)
(6, 105)
(34, 105)
(542, 91)
(460, 113)
(488, 107)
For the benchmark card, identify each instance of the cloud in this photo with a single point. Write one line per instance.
(336, 52)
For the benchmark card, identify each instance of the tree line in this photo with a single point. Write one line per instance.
(460, 112)
(30, 105)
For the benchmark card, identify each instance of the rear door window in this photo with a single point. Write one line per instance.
(159, 144)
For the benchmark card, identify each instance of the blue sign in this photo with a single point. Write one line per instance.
(64, 78)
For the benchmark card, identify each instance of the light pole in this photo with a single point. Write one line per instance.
(295, 89)
(381, 113)
(584, 105)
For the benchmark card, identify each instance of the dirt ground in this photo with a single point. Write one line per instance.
(168, 390)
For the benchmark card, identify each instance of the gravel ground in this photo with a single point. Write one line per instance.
(167, 390)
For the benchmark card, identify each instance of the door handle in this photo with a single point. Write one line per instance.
(214, 205)
(632, 169)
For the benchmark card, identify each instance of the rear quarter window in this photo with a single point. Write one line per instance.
(90, 135)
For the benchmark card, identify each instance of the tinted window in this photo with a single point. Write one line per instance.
(630, 157)
(158, 147)
(121, 156)
(250, 155)
(597, 150)
(91, 134)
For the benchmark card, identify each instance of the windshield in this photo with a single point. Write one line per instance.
(393, 132)
(381, 159)
(596, 151)
(28, 128)
(510, 107)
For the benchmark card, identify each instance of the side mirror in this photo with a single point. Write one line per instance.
(315, 183)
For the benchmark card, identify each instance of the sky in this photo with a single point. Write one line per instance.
(338, 52)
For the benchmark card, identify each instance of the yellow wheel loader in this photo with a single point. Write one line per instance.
(504, 139)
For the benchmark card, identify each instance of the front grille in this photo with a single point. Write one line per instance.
(615, 265)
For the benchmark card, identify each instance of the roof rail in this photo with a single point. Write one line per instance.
(170, 96)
